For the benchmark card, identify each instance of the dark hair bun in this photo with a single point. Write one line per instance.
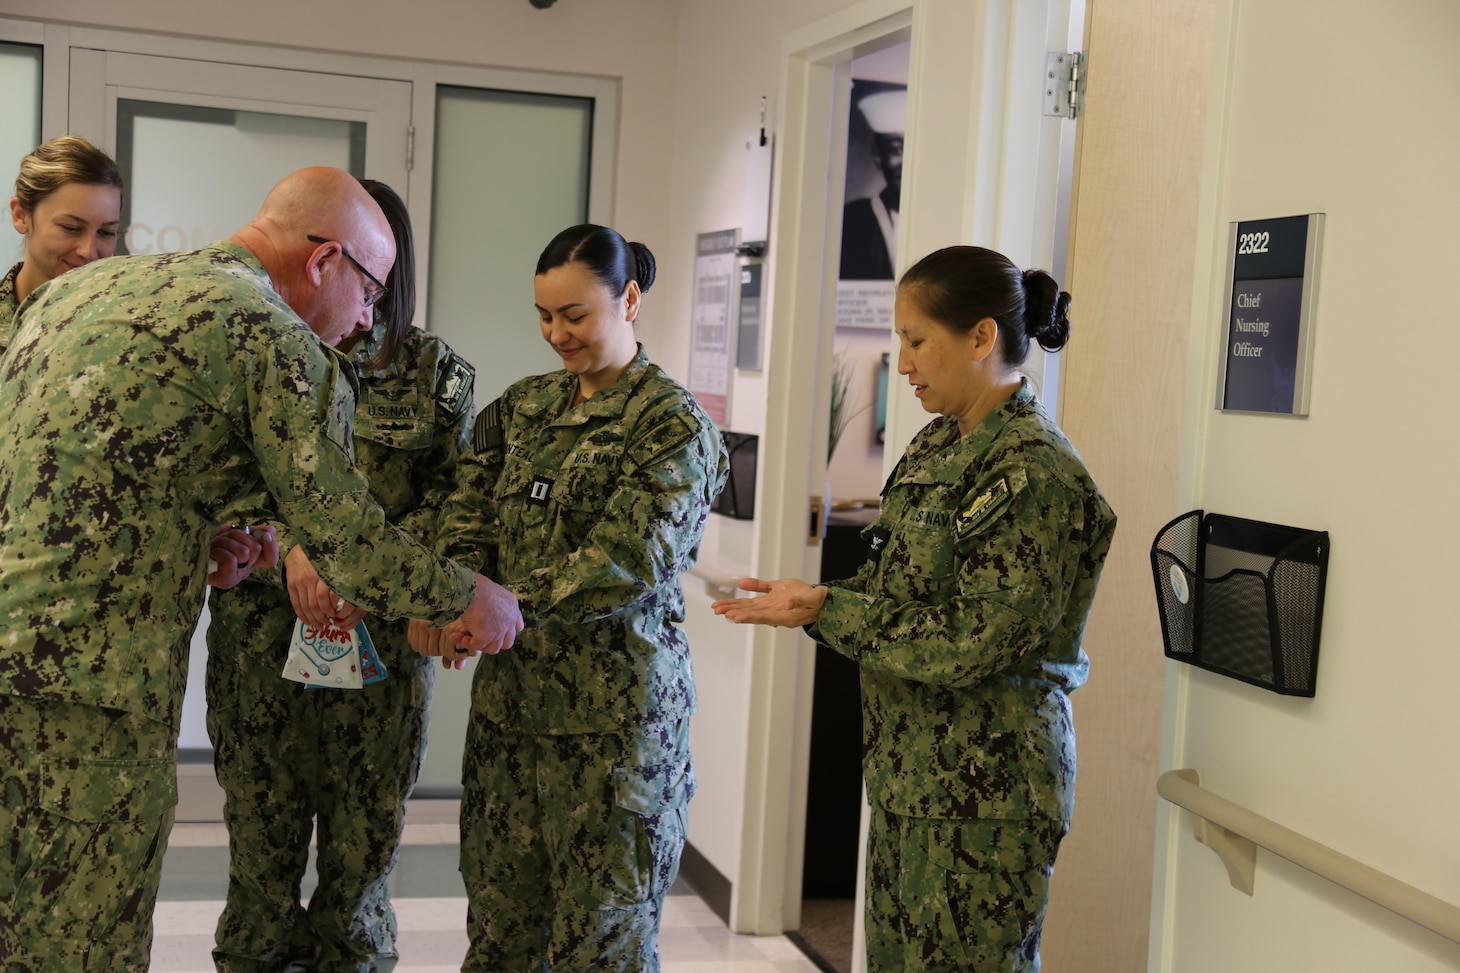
(645, 266)
(1046, 310)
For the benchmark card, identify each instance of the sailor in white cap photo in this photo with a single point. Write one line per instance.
(869, 224)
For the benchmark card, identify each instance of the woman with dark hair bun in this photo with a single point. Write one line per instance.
(966, 623)
(585, 494)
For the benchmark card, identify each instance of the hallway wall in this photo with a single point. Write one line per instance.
(1366, 766)
(629, 39)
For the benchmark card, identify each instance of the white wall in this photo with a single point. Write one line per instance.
(1367, 766)
(628, 39)
(729, 57)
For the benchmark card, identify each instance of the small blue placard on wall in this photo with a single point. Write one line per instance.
(1272, 273)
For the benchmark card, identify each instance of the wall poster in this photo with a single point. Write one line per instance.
(715, 288)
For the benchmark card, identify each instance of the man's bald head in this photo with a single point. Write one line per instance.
(330, 205)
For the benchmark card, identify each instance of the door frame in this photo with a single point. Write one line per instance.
(975, 122)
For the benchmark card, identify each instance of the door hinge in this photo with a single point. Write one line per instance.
(410, 147)
(1064, 83)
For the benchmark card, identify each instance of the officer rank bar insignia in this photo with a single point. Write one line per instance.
(538, 490)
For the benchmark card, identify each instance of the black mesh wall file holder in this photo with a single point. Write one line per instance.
(1243, 598)
(737, 500)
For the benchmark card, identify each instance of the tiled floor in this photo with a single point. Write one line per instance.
(428, 900)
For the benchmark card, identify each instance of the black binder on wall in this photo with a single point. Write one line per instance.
(1243, 598)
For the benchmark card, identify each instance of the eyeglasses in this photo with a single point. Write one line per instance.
(371, 299)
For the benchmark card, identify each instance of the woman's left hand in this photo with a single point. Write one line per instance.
(788, 602)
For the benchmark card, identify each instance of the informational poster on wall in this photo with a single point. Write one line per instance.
(866, 287)
(715, 275)
(1268, 355)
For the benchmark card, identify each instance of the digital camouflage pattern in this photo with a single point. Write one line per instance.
(141, 395)
(571, 874)
(967, 622)
(953, 895)
(411, 423)
(86, 802)
(8, 305)
(589, 513)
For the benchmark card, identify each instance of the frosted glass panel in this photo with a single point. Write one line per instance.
(195, 175)
(20, 131)
(511, 170)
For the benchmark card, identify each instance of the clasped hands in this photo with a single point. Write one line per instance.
(490, 624)
(239, 548)
(787, 602)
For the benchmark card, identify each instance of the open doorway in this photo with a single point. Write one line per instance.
(982, 166)
(866, 281)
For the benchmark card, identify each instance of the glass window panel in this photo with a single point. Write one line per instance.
(511, 170)
(20, 131)
(195, 175)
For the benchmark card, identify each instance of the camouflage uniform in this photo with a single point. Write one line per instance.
(141, 395)
(8, 305)
(967, 626)
(577, 770)
(411, 423)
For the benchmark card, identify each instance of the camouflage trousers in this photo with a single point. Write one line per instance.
(87, 796)
(294, 760)
(957, 894)
(569, 843)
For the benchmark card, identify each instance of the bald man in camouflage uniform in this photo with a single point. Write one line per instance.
(287, 753)
(967, 625)
(577, 754)
(139, 397)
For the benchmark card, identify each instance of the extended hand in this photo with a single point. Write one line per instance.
(434, 642)
(788, 603)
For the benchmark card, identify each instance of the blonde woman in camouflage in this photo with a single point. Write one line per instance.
(294, 759)
(68, 206)
(585, 494)
(966, 622)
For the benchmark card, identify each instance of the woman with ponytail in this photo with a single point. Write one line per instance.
(584, 493)
(67, 206)
(966, 623)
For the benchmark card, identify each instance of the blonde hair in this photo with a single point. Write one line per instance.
(61, 161)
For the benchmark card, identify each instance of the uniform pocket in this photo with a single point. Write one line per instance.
(650, 822)
(995, 876)
(92, 853)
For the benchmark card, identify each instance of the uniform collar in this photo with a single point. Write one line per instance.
(944, 454)
(611, 401)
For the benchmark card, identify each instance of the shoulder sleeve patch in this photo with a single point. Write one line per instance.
(486, 433)
(670, 434)
(454, 379)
